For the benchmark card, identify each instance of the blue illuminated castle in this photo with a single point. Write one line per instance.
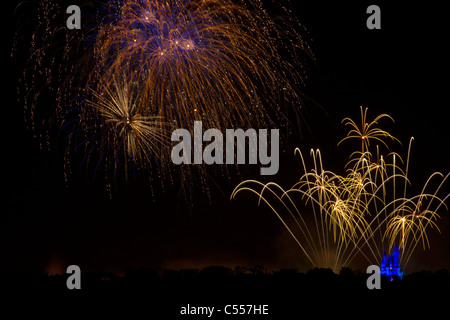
(390, 266)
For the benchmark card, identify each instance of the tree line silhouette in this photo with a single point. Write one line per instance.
(288, 292)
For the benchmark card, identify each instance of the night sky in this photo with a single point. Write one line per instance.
(400, 70)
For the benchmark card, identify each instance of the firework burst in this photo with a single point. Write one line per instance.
(116, 127)
(198, 59)
(226, 63)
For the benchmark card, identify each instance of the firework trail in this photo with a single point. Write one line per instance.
(333, 218)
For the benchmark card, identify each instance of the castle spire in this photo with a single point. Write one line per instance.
(390, 265)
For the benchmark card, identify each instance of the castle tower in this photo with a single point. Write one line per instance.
(390, 265)
(395, 255)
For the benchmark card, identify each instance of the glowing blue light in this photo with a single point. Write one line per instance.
(390, 266)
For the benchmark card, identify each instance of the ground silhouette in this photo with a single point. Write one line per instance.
(288, 293)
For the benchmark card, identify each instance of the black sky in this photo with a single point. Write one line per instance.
(401, 69)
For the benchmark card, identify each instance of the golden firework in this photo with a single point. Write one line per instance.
(362, 209)
(116, 125)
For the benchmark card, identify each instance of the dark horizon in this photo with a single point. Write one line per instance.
(285, 293)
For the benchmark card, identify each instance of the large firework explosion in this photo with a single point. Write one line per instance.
(215, 61)
(365, 211)
(161, 65)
